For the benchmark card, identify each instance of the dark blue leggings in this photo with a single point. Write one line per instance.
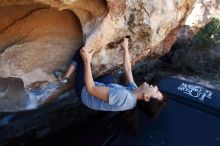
(79, 78)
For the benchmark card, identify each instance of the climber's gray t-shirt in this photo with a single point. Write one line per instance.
(120, 98)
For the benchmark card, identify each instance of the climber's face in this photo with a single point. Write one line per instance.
(146, 92)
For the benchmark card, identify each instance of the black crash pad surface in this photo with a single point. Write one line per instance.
(177, 125)
(199, 96)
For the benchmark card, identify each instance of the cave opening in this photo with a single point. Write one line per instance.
(36, 39)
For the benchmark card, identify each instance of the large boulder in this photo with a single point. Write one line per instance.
(37, 36)
(12, 95)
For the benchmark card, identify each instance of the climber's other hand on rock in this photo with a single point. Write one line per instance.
(86, 55)
(125, 43)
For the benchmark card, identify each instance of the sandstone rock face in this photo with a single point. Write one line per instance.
(37, 36)
(203, 12)
(152, 26)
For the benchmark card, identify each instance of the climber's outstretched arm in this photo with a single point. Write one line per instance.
(100, 92)
(127, 62)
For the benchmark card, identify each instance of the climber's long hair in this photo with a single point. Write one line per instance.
(151, 109)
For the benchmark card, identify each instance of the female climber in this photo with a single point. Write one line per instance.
(102, 94)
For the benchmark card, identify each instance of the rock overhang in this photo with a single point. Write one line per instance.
(152, 26)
